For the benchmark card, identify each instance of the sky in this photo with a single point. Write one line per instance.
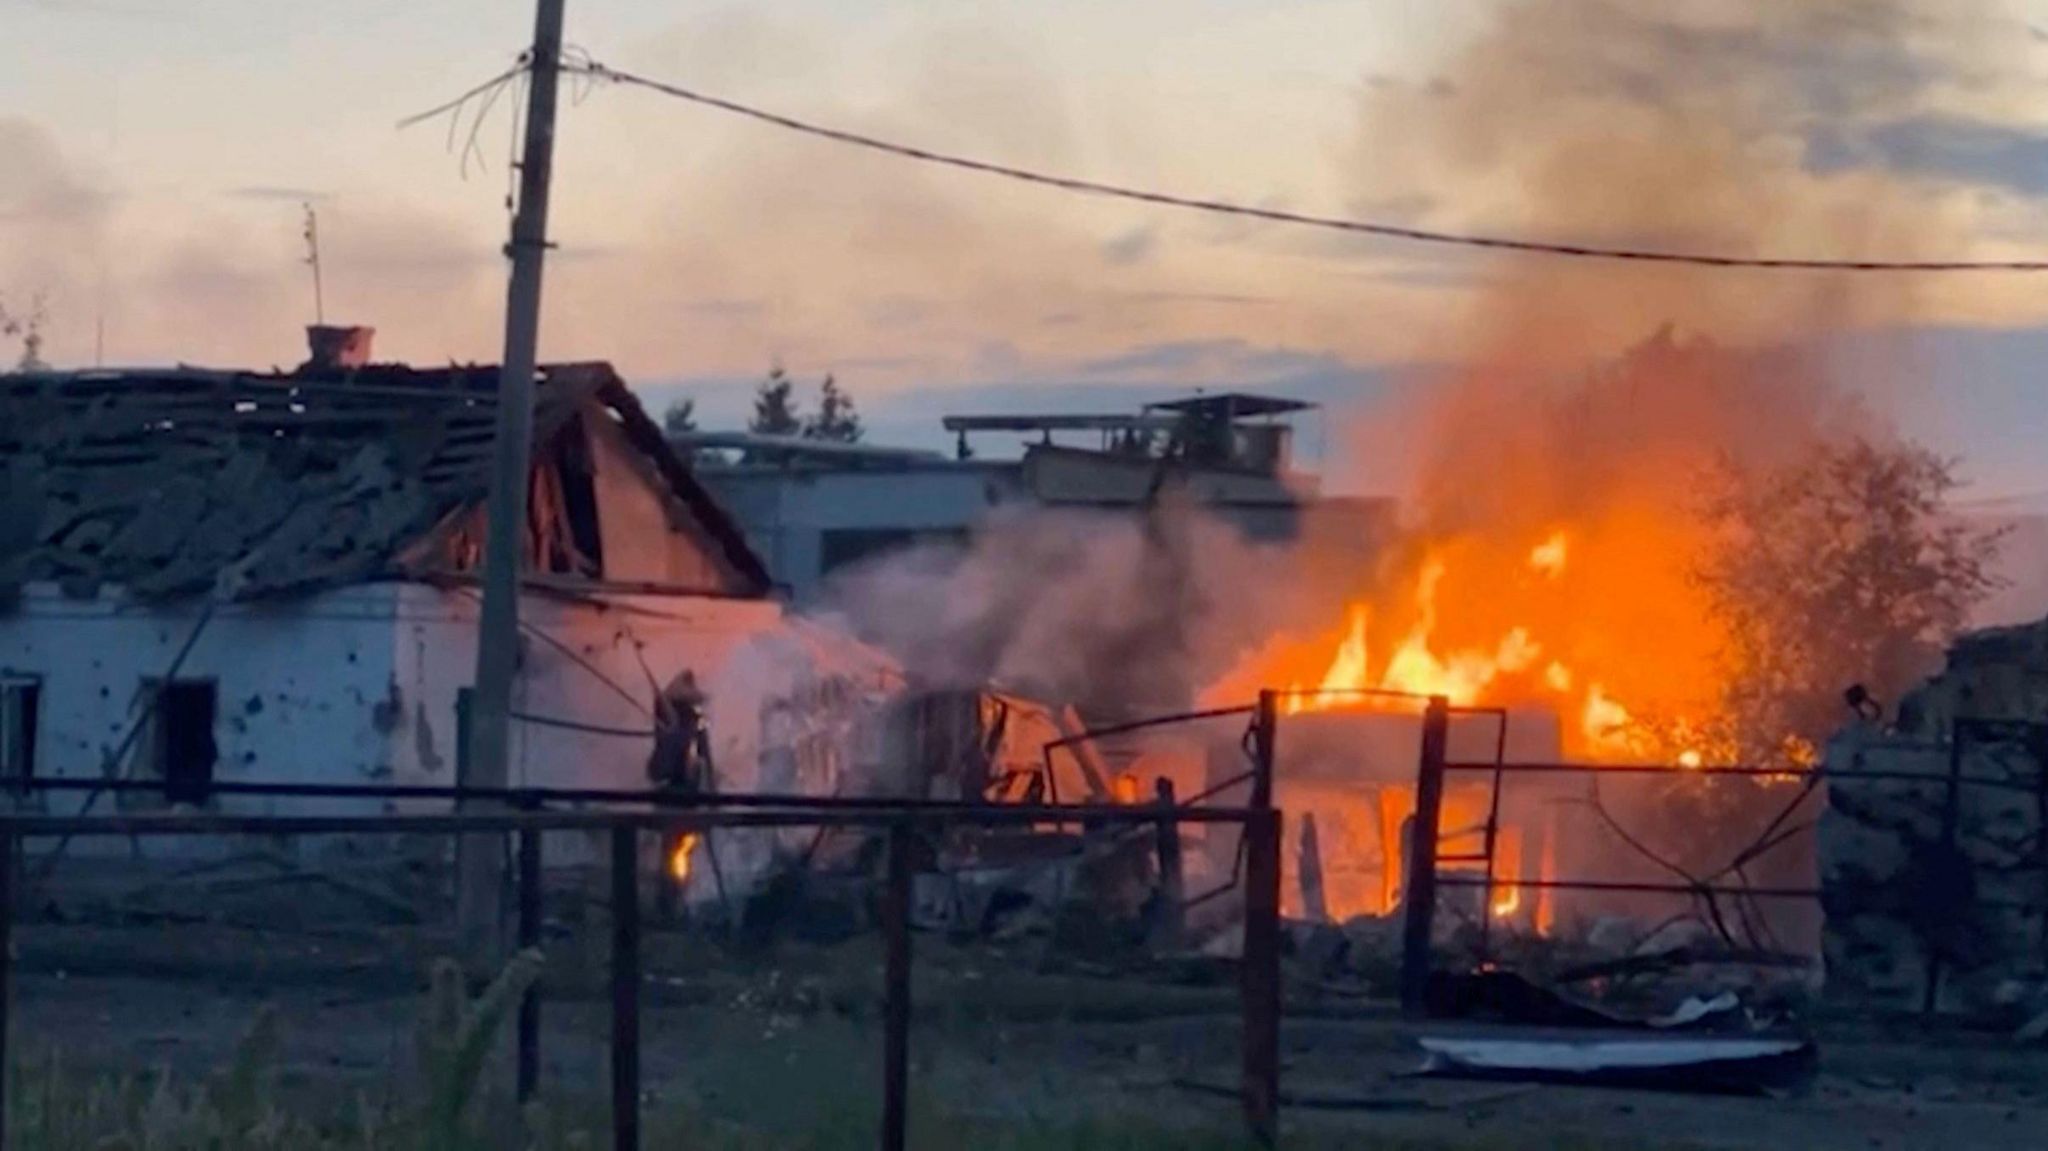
(154, 156)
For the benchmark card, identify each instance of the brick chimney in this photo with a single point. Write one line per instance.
(337, 349)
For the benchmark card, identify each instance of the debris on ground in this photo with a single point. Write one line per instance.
(1504, 1025)
(1646, 1060)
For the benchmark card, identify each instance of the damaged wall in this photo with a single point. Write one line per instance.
(783, 696)
(300, 694)
(1918, 875)
(647, 537)
(360, 686)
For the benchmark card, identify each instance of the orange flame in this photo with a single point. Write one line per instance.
(1506, 902)
(1466, 676)
(679, 859)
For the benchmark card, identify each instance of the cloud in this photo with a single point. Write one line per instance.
(1971, 151)
(728, 309)
(205, 280)
(1233, 299)
(98, 9)
(1691, 129)
(40, 184)
(1132, 247)
(264, 193)
(55, 216)
(730, 246)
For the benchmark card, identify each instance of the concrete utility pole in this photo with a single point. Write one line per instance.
(480, 862)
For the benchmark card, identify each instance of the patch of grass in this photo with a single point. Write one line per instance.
(785, 1089)
(936, 1131)
(240, 1108)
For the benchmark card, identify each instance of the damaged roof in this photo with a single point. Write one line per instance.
(175, 482)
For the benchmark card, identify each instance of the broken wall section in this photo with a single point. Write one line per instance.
(304, 694)
(1933, 862)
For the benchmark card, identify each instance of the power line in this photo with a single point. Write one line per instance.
(1274, 215)
(456, 104)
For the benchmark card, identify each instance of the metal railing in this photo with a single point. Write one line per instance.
(900, 820)
(1423, 858)
(1423, 852)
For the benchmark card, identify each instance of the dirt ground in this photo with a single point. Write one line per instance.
(779, 1038)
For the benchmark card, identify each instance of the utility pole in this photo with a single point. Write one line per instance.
(481, 859)
(313, 260)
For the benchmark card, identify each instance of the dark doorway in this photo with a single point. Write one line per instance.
(183, 749)
(20, 707)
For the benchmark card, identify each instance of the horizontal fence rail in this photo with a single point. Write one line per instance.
(535, 797)
(204, 823)
(898, 819)
(1434, 766)
(1680, 771)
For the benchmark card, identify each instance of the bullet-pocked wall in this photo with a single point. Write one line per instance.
(296, 692)
(360, 685)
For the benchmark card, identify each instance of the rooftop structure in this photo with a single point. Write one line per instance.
(170, 482)
(814, 507)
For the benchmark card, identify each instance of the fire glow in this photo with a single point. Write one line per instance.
(679, 859)
(1566, 621)
(1517, 667)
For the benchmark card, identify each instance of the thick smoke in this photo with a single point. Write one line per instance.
(1583, 396)
(1724, 127)
(1595, 398)
(1115, 611)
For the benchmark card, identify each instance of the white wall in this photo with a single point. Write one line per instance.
(360, 686)
(580, 661)
(598, 664)
(298, 687)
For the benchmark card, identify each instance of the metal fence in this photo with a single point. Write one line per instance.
(901, 821)
(1711, 890)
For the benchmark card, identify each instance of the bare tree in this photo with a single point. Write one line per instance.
(28, 329)
(1844, 568)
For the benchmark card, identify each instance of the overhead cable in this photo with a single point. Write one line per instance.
(1279, 216)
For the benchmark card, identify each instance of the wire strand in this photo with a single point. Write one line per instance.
(456, 104)
(1278, 216)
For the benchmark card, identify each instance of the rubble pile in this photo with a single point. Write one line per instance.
(1933, 863)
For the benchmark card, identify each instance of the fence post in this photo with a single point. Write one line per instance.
(625, 989)
(1173, 895)
(896, 992)
(529, 937)
(1951, 824)
(1308, 870)
(1419, 900)
(483, 943)
(1260, 976)
(1265, 732)
(8, 845)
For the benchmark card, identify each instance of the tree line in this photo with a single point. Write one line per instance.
(777, 412)
(27, 329)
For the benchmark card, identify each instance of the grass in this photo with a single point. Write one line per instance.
(57, 1111)
(240, 1107)
(806, 1092)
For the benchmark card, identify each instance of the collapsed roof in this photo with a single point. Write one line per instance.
(175, 482)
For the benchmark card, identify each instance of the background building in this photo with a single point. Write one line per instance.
(811, 508)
